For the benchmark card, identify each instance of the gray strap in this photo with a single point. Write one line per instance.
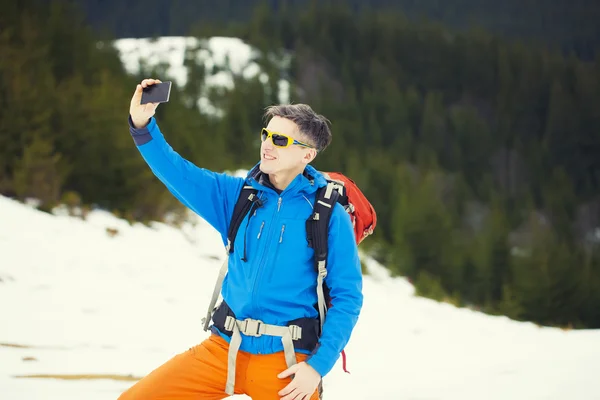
(329, 189)
(331, 186)
(234, 346)
(288, 348)
(320, 293)
(216, 291)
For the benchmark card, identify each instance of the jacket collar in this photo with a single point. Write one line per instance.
(308, 182)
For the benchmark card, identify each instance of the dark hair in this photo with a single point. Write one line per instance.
(312, 125)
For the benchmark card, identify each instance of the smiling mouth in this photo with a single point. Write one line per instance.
(268, 157)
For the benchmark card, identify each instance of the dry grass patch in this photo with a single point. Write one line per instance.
(113, 377)
(15, 346)
(27, 346)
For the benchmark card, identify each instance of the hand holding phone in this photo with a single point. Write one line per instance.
(156, 93)
(146, 98)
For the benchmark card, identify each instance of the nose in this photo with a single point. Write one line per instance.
(268, 144)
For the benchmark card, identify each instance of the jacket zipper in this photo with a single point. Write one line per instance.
(281, 234)
(260, 266)
(260, 231)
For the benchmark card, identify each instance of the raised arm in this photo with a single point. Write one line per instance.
(211, 195)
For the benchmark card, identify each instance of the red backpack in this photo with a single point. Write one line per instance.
(362, 215)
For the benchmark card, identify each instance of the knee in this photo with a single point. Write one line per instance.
(128, 394)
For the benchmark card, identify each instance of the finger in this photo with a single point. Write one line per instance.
(299, 395)
(290, 371)
(147, 82)
(292, 396)
(137, 95)
(288, 389)
(151, 81)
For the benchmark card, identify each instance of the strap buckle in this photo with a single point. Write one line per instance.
(296, 332)
(322, 269)
(251, 327)
(229, 323)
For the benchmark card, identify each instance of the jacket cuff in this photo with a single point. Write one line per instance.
(318, 366)
(141, 135)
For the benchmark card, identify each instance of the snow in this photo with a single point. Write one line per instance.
(223, 57)
(81, 301)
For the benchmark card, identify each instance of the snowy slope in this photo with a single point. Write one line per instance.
(80, 301)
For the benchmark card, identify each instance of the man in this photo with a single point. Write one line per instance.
(269, 293)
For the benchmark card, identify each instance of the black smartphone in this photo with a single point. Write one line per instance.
(157, 93)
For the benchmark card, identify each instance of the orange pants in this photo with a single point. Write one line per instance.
(201, 373)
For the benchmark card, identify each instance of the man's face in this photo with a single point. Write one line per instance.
(291, 159)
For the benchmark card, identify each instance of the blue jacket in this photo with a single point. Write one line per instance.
(277, 284)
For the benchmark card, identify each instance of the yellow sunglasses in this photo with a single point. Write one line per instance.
(281, 140)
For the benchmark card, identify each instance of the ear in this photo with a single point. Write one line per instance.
(309, 156)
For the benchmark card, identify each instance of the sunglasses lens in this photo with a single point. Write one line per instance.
(263, 135)
(279, 140)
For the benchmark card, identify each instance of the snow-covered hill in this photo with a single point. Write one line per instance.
(222, 57)
(102, 298)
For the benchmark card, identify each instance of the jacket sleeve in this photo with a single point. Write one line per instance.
(209, 194)
(344, 279)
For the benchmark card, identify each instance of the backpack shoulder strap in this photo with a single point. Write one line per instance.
(247, 198)
(245, 202)
(317, 225)
(317, 231)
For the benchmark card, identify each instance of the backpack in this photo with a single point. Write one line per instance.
(339, 189)
(364, 220)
